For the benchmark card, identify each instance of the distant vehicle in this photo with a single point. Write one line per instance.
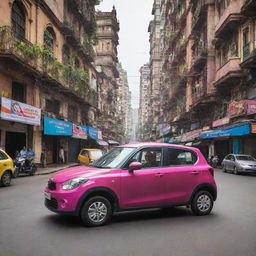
(6, 169)
(237, 163)
(134, 176)
(88, 155)
(24, 164)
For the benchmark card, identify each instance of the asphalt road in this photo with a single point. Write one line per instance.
(27, 228)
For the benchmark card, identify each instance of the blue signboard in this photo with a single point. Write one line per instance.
(57, 127)
(232, 131)
(92, 132)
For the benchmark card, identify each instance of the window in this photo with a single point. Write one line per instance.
(72, 113)
(3, 156)
(177, 157)
(49, 39)
(18, 20)
(18, 92)
(52, 106)
(149, 157)
(65, 54)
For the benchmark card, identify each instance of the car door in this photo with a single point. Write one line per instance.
(144, 187)
(181, 174)
(227, 162)
(232, 163)
(5, 163)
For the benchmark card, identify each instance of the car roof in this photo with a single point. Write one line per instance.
(156, 144)
(91, 149)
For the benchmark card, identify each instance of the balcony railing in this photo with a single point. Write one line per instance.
(249, 55)
(199, 53)
(42, 63)
(246, 51)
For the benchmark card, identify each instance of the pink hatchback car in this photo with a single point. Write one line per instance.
(134, 176)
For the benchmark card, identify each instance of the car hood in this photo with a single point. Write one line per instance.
(247, 162)
(84, 171)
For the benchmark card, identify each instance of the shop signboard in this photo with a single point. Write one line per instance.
(79, 132)
(253, 128)
(220, 122)
(16, 111)
(57, 127)
(242, 107)
(92, 132)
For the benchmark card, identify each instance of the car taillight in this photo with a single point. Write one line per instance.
(211, 170)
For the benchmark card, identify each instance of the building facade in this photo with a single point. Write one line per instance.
(49, 86)
(207, 75)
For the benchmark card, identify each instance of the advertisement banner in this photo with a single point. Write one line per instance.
(253, 128)
(79, 132)
(16, 111)
(220, 122)
(242, 107)
(92, 132)
(57, 127)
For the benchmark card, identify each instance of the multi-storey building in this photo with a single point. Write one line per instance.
(123, 103)
(145, 108)
(208, 74)
(155, 67)
(106, 62)
(48, 82)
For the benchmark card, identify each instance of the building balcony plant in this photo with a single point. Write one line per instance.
(41, 62)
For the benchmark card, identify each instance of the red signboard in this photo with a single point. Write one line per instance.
(242, 107)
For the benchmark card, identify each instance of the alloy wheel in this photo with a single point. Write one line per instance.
(97, 212)
(6, 179)
(204, 203)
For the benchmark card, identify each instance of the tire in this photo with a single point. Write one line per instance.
(235, 171)
(6, 179)
(16, 173)
(33, 170)
(97, 205)
(202, 203)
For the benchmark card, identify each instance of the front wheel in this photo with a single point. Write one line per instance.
(96, 211)
(6, 179)
(202, 203)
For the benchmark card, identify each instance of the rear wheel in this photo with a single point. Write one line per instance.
(6, 179)
(96, 211)
(202, 203)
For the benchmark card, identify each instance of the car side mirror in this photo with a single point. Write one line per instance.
(134, 166)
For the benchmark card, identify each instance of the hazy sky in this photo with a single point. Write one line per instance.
(133, 50)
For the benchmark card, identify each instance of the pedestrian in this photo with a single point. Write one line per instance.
(62, 155)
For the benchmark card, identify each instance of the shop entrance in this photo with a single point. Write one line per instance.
(50, 148)
(14, 142)
(222, 148)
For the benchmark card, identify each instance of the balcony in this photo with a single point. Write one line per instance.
(229, 19)
(249, 56)
(199, 55)
(229, 74)
(249, 8)
(41, 63)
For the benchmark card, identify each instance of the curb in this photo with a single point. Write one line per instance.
(56, 170)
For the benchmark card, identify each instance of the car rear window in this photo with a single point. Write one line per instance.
(179, 157)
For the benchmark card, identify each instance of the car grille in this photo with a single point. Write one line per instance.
(51, 203)
(254, 166)
(51, 185)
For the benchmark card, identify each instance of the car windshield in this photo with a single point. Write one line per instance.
(95, 154)
(113, 158)
(245, 158)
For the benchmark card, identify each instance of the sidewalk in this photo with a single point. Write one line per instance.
(54, 168)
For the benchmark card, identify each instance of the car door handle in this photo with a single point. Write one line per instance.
(195, 172)
(159, 174)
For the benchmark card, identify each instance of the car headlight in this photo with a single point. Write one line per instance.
(73, 183)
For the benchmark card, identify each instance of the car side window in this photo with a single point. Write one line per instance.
(3, 156)
(149, 157)
(228, 157)
(84, 153)
(232, 158)
(179, 157)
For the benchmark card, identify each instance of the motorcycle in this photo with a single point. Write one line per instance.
(24, 164)
(214, 161)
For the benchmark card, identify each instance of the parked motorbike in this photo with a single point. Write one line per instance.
(24, 164)
(214, 161)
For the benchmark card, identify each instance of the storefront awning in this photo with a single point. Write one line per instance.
(102, 143)
(113, 142)
(238, 130)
